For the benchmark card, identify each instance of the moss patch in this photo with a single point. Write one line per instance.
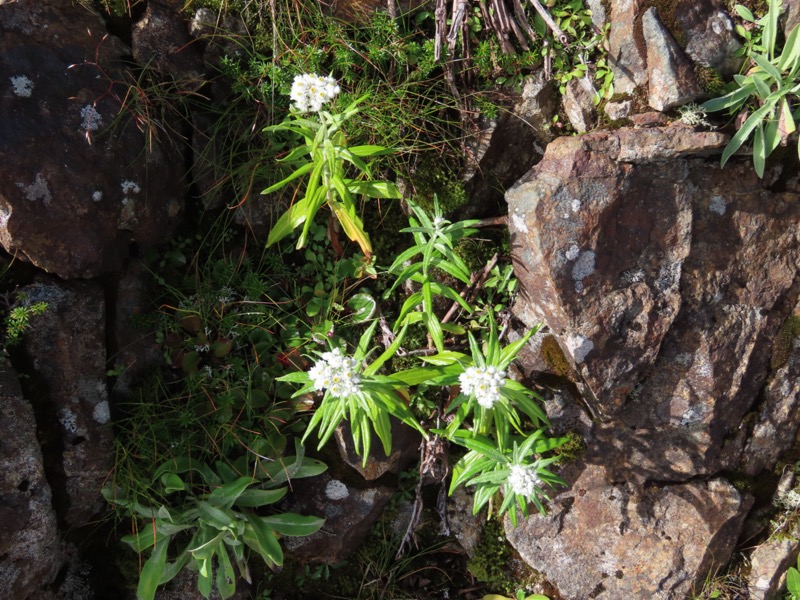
(784, 342)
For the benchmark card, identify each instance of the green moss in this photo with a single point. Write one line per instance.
(437, 178)
(573, 449)
(554, 357)
(784, 342)
(710, 80)
(490, 563)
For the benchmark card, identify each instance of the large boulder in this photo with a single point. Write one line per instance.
(665, 280)
(31, 553)
(85, 176)
(611, 541)
(67, 346)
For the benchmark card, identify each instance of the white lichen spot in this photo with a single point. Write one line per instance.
(68, 420)
(22, 86)
(576, 205)
(97, 196)
(572, 252)
(693, 414)
(579, 346)
(718, 205)
(582, 268)
(633, 276)
(101, 412)
(519, 222)
(130, 186)
(91, 120)
(38, 190)
(336, 490)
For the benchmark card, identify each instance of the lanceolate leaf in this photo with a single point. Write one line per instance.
(293, 524)
(150, 577)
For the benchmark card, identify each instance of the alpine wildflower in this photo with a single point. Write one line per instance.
(523, 480)
(484, 384)
(310, 91)
(336, 373)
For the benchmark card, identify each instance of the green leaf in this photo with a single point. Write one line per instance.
(306, 168)
(370, 150)
(288, 222)
(258, 498)
(293, 524)
(744, 13)
(172, 483)
(152, 571)
(260, 538)
(759, 151)
(375, 189)
(217, 518)
(791, 51)
(793, 581)
(769, 69)
(741, 136)
(226, 495)
(734, 99)
(387, 354)
(226, 577)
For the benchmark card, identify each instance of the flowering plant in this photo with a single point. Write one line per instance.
(494, 401)
(355, 393)
(326, 160)
(491, 469)
(435, 239)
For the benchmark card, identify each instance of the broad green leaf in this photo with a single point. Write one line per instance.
(152, 571)
(172, 483)
(434, 329)
(288, 222)
(741, 136)
(791, 51)
(260, 537)
(225, 495)
(434, 375)
(734, 99)
(293, 524)
(370, 150)
(217, 518)
(448, 357)
(759, 150)
(205, 567)
(744, 13)
(171, 569)
(258, 498)
(375, 189)
(768, 68)
(226, 577)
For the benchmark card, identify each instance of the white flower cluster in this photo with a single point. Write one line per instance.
(485, 384)
(523, 480)
(336, 373)
(310, 91)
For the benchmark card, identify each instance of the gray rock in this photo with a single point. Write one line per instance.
(30, 548)
(672, 81)
(579, 104)
(618, 110)
(770, 560)
(778, 415)
(349, 513)
(505, 149)
(608, 541)
(665, 280)
(404, 451)
(710, 40)
(68, 348)
(76, 208)
(160, 40)
(626, 57)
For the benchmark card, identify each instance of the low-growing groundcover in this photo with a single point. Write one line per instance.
(269, 343)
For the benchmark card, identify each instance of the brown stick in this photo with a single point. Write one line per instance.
(559, 33)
